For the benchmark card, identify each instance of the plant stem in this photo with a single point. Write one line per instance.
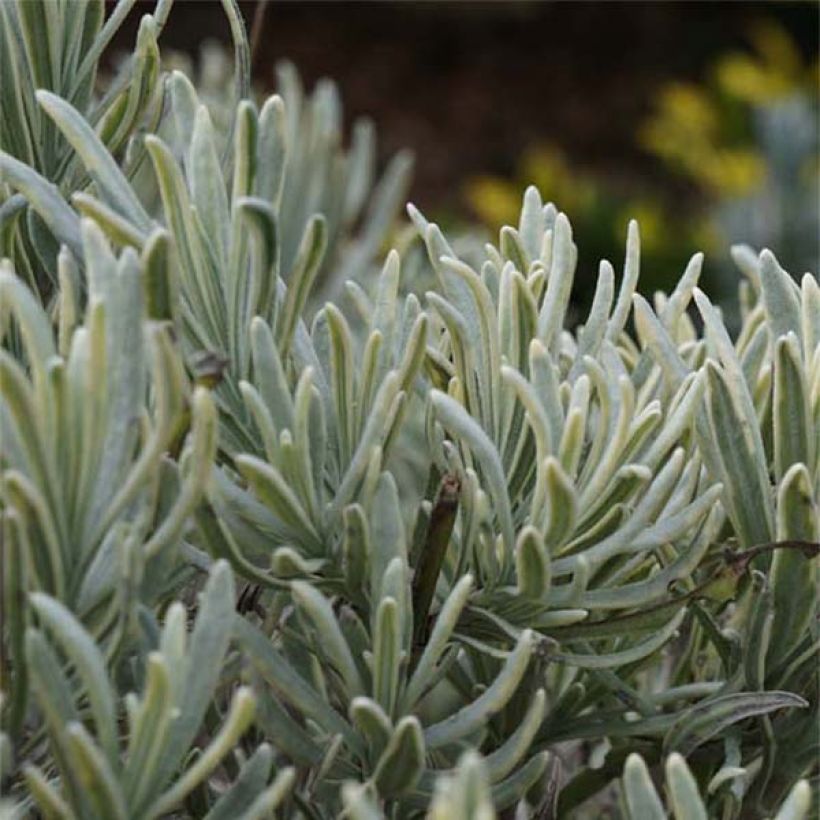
(257, 27)
(442, 520)
(739, 561)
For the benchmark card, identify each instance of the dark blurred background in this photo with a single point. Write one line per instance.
(700, 118)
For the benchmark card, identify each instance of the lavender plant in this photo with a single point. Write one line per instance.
(264, 553)
(57, 47)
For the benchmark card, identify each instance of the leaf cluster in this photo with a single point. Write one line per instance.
(400, 554)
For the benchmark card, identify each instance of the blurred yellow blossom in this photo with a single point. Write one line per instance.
(497, 201)
(702, 130)
(654, 225)
(494, 200)
(718, 136)
(734, 171)
(774, 70)
(551, 172)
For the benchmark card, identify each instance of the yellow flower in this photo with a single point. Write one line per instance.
(684, 129)
(495, 201)
(650, 216)
(548, 169)
(774, 71)
(735, 171)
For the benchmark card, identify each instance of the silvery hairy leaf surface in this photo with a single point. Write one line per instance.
(297, 524)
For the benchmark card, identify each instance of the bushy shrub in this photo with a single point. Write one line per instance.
(438, 554)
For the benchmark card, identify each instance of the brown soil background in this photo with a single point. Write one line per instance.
(469, 85)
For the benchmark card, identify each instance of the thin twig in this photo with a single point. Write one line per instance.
(257, 27)
(442, 520)
(739, 561)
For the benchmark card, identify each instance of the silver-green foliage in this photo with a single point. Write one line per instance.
(56, 45)
(684, 798)
(240, 233)
(91, 501)
(176, 680)
(472, 539)
(575, 454)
